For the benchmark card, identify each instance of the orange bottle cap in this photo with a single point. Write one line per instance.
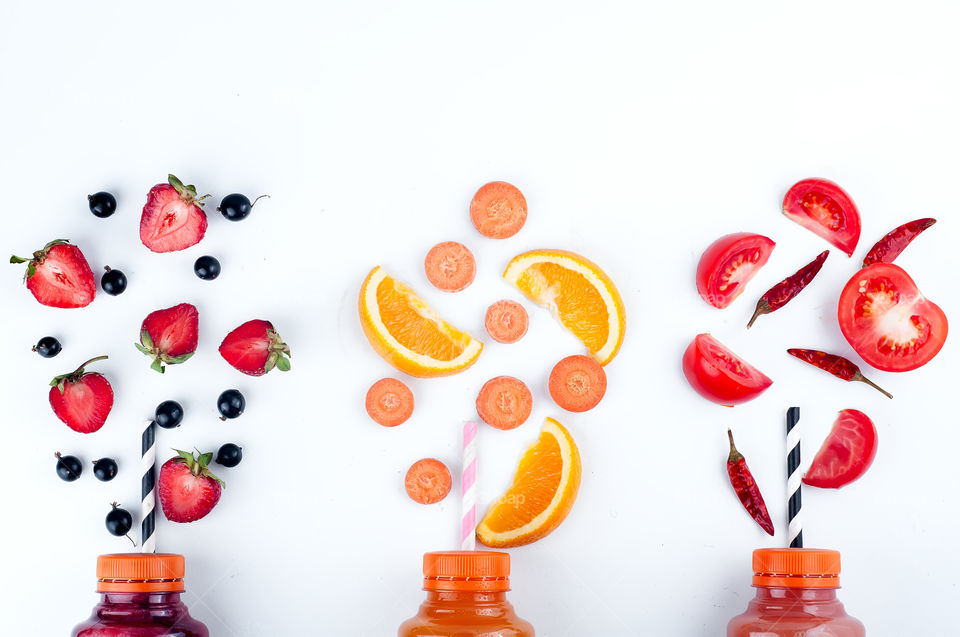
(140, 573)
(796, 568)
(486, 571)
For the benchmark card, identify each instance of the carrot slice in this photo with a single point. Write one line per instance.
(389, 402)
(577, 383)
(498, 210)
(506, 321)
(427, 481)
(504, 402)
(450, 266)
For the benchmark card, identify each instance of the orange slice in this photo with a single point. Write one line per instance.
(542, 494)
(408, 333)
(578, 293)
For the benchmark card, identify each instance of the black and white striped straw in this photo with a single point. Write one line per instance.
(794, 517)
(148, 460)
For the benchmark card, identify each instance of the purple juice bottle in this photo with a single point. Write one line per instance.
(140, 597)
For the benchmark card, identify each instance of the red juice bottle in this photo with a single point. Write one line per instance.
(140, 597)
(466, 597)
(796, 597)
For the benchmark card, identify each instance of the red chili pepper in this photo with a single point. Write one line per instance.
(746, 487)
(780, 294)
(893, 243)
(836, 365)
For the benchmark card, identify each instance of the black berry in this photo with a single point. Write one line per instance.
(229, 455)
(68, 467)
(102, 204)
(48, 347)
(105, 469)
(230, 404)
(113, 282)
(207, 268)
(168, 415)
(119, 522)
(236, 207)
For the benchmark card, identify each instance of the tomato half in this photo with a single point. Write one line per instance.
(719, 375)
(888, 321)
(823, 207)
(847, 452)
(728, 264)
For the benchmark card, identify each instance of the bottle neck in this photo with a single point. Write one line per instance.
(141, 599)
(464, 598)
(781, 594)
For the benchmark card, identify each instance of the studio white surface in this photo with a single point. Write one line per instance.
(638, 132)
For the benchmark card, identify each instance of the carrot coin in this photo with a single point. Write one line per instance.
(428, 481)
(498, 210)
(577, 383)
(504, 402)
(389, 402)
(450, 266)
(506, 321)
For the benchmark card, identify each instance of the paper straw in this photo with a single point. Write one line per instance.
(468, 488)
(794, 517)
(148, 487)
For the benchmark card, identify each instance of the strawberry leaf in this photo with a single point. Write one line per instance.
(15, 259)
(271, 362)
(157, 365)
(176, 183)
(143, 349)
(146, 341)
(175, 360)
(205, 459)
(283, 364)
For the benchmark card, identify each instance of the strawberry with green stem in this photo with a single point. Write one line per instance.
(173, 217)
(186, 488)
(58, 275)
(170, 336)
(255, 348)
(81, 399)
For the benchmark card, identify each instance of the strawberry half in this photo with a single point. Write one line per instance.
(187, 489)
(82, 400)
(255, 348)
(173, 217)
(58, 275)
(170, 336)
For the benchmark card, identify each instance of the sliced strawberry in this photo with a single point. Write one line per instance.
(173, 217)
(82, 400)
(58, 275)
(186, 488)
(170, 336)
(255, 348)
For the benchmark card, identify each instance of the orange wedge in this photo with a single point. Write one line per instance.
(408, 333)
(542, 494)
(578, 293)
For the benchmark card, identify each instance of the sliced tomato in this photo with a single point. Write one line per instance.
(728, 264)
(823, 207)
(719, 375)
(888, 321)
(847, 452)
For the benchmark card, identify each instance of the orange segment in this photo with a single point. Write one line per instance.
(578, 293)
(408, 333)
(542, 494)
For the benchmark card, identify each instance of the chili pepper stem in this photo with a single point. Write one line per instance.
(762, 308)
(735, 455)
(863, 379)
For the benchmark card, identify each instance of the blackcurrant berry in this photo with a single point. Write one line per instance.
(207, 268)
(102, 204)
(230, 404)
(105, 469)
(69, 468)
(119, 522)
(168, 415)
(48, 347)
(229, 455)
(113, 282)
(236, 207)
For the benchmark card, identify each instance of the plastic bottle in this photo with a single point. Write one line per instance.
(140, 597)
(796, 597)
(466, 597)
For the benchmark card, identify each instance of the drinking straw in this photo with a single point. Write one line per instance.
(794, 517)
(148, 487)
(468, 488)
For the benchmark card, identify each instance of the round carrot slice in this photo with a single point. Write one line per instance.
(577, 383)
(389, 402)
(428, 481)
(498, 210)
(506, 321)
(504, 402)
(450, 266)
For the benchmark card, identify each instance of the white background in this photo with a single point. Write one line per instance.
(639, 133)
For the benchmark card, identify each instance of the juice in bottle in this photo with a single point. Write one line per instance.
(140, 597)
(466, 597)
(796, 597)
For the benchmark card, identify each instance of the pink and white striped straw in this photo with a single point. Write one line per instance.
(468, 488)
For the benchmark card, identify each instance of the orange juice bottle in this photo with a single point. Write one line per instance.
(466, 597)
(796, 597)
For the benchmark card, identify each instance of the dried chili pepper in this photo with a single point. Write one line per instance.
(893, 243)
(836, 365)
(781, 294)
(746, 487)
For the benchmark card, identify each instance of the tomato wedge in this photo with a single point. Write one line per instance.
(719, 375)
(847, 452)
(823, 207)
(728, 264)
(888, 321)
